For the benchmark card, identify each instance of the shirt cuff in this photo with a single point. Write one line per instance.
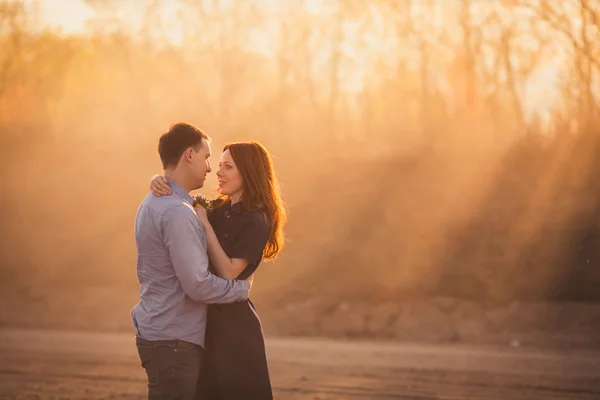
(245, 290)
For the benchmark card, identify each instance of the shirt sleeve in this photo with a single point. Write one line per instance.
(186, 242)
(252, 238)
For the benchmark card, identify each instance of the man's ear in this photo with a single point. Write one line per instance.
(187, 154)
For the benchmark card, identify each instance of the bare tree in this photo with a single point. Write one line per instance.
(13, 20)
(563, 18)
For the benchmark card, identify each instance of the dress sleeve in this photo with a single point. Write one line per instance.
(252, 238)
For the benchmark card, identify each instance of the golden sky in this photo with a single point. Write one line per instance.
(73, 16)
(68, 15)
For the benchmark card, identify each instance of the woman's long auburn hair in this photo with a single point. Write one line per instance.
(261, 190)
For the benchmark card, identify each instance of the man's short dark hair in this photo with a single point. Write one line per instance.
(180, 136)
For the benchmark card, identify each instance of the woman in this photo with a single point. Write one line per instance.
(243, 226)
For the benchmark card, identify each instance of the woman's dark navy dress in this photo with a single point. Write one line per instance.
(235, 363)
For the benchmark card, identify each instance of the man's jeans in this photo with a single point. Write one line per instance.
(172, 366)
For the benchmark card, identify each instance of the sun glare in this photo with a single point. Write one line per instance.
(69, 16)
(365, 48)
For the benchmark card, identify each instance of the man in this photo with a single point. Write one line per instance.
(172, 268)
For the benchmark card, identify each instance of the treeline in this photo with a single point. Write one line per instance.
(426, 147)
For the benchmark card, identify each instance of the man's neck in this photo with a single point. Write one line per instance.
(179, 179)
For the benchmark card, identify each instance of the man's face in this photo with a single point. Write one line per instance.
(200, 163)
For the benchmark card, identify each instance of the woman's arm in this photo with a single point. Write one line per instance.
(227, 268)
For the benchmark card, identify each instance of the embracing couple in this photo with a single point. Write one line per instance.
(197, 332)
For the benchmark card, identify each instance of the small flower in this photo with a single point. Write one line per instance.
(202, 201)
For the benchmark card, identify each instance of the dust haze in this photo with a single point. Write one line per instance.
(439, 159)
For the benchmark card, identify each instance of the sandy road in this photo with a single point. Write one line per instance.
(74, 365)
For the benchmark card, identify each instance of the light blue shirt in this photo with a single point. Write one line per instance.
(172, 268)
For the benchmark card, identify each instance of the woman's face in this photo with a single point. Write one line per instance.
(230, 179)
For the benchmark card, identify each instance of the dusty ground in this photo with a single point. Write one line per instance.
(565, 325)
(37, 364)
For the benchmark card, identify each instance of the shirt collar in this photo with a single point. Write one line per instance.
(237, 207)
(180, 191)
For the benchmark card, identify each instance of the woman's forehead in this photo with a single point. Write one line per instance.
(226, 156)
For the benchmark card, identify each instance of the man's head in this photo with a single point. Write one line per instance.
(185, 151)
